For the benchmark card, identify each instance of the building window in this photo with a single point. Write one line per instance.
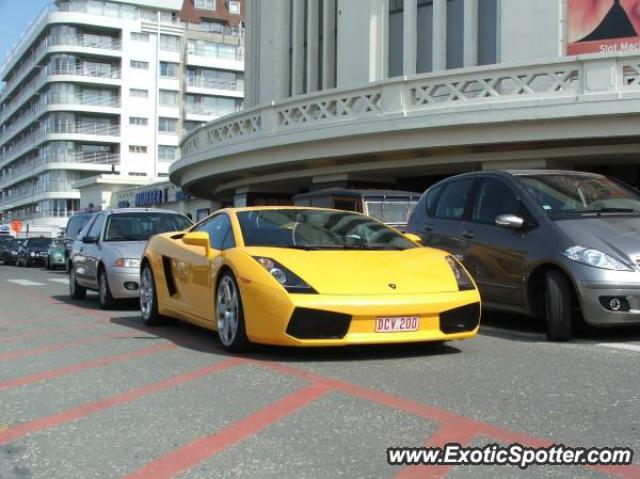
(167, 125)
(234, 8)
(168, 98)
(168, 43)
(168, 70)
(205, 4)
(139, 37)
(136, 93)
(138, 121)
(139, 65)
(167, 153)
(137, 149)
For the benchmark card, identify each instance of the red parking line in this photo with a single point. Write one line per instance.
(189, 456)
(460, 432)
(94, 363)
(58, 346)
(44, 332)
(84, 410)
(442, 416)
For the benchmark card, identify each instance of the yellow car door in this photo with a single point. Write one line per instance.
(197, 266)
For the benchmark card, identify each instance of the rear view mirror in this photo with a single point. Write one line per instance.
(511, 222)
(197, 238)
(412, 237)
(89, 240)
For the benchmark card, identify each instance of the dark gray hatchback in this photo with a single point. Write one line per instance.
(541, 242)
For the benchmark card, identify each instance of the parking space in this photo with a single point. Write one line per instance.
(92, 393)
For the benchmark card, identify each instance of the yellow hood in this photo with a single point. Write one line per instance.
(417, 270)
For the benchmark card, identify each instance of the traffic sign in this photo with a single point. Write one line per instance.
(16, 225)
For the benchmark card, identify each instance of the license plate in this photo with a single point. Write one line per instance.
(397, 324)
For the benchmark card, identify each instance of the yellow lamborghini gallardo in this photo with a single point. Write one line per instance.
(306, 277)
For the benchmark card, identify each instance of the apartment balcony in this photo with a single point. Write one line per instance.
(214, 86)
(94, 44)
(16, 215)
(204, 113)
(100, 162)
(44, 133)
(37, 192)
(212, 57)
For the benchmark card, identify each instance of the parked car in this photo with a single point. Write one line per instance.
(55, 254)
(306, 277)
(9, 251)
(74, 226)
(32, 252)
(106, 254)
(541, 242)
(388, 206)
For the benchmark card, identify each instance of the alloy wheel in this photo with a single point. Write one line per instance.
(146, 293)
(227, 310)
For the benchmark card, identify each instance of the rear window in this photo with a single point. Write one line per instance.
(75, 224)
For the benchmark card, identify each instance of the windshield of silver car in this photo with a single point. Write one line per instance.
(141, 226)
(567, 193)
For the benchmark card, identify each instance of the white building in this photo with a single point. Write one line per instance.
(402, 92)
(106, 88)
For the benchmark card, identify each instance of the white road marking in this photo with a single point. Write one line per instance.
(625, 346)
(59, 280)
(24, 282)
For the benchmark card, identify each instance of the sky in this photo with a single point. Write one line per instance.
(15, 16)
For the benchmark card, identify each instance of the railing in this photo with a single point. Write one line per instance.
(84, 70)
(215, 83)
(111, 101)
(208, 111)
(11, 215)
(214, 52)
(36, 164)
(475, 89)
(33, 189)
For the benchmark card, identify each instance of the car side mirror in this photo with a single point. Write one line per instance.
(198, 238)
(511, 222)
(89, 240)
(414, 238)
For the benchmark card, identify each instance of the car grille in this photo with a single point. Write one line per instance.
(459, 320)
(308, 323)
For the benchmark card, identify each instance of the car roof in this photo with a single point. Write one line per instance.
(526, 172)
(275, 207)
(111, 211)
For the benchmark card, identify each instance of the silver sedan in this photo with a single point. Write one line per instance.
(105, 256)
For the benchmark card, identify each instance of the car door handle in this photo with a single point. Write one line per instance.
(468, 234)
(428, 227)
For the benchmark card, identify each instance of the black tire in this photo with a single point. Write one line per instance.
(149, 310)
(239, 342)
(75, 290)
(104, 291)
(558, 307)
(47, 263)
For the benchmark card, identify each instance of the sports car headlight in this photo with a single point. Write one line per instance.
(595, 258)
(127, 263)
(289, 281)
(32, 254)
(462, 278)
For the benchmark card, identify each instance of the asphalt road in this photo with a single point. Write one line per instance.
(86, 393)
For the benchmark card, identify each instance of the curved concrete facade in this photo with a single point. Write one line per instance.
(327, 110)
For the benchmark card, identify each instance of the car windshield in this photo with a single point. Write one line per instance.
(390, 211)
(141, 226)
(39, 243)
(562, 194)
(317, 229)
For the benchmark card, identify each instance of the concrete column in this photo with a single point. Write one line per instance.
(384, 50)
(251, 55)
(313, 44)
(329, 44)
(378, 38)
(297, 63)
(470, 53)
(439, 35)
(272, 44)
(410, 36)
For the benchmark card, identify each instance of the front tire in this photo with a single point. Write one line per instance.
(104, 292)
(75, 290)
(558, 308)
(230, 315)
(149, 299)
